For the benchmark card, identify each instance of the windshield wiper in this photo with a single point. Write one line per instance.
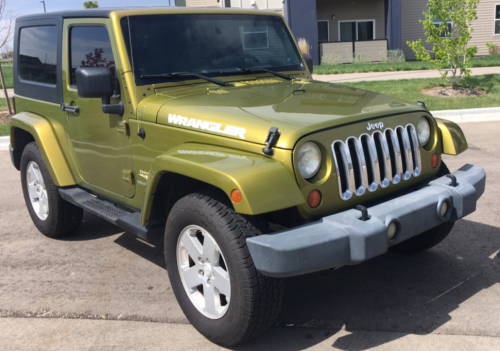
(186, 74)
(258, 70)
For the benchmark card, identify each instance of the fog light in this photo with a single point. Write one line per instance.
(434, 160)
(236, 196)
(314, 199)
(444, 209)
(392, 230)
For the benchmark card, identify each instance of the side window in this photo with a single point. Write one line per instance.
(90, 47)
(38, 54)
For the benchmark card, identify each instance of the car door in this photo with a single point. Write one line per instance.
(100, 149)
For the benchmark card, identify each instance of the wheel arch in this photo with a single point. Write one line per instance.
(266, 184)
(452, 137)
(27, 127)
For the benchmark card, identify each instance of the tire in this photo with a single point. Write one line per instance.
(51, 215)
(429, 238)
(246, 302)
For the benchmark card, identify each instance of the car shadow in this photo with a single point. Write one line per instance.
(393, 294)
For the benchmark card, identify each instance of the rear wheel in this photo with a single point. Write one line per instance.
(50, 213)
(429, 238)
(212, 273)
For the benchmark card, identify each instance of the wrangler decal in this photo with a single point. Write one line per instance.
(205, 125)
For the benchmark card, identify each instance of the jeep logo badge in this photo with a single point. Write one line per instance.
(379, 125)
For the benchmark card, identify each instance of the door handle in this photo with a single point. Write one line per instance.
(71, 109)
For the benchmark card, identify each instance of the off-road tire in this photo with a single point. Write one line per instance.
(255, 299)
(429, 238)
(63, 218)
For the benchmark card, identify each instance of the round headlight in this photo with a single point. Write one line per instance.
(309, 160)
(423, 131)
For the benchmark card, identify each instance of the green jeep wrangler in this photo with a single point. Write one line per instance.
(207, 123)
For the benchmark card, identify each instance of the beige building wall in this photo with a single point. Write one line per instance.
(411, 28)
(484, 27)
(203, 3)
(347, 10)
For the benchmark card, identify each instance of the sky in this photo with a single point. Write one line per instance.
(27, 7)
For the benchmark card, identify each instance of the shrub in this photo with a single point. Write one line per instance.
(392, 56)
(493, 49)
(304, 46)
(361, 58)
(331, 59)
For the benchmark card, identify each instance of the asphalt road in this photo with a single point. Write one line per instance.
(103, 289)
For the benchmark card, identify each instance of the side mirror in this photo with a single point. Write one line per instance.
(309, 62)
(96, 82)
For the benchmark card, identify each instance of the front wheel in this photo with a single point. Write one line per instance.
(212, 273)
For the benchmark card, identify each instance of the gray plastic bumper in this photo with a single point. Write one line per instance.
(344, 239)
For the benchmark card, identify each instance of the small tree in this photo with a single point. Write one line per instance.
(6, 24)
(91, 4)
(447, 25)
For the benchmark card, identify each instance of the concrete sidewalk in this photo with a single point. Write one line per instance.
(10, 92)
(398, 75)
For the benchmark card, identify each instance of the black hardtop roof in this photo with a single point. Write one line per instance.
(104, 12)
(97, 13)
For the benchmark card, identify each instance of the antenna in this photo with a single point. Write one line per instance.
(44, 9)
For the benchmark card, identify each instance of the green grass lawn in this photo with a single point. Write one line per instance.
(409, 90)
(7, 73)
(488, 61)
(4, 130)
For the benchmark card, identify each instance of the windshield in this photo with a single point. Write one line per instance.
(207, 44)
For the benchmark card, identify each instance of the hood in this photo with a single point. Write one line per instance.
(248, 110)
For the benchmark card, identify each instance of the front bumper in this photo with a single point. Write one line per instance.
(345, 239)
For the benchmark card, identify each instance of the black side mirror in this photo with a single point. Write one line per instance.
(97, 82)
(309, 62)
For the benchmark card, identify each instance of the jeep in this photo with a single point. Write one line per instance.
(206, 123)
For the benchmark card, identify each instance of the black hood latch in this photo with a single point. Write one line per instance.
(271, 140)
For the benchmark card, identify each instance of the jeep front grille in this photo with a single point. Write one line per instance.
(370, 161)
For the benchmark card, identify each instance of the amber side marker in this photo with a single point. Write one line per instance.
(236, 196)
(314, 199)
(434, 160)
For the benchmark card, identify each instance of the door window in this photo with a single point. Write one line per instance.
(323, 32)
(90, 47)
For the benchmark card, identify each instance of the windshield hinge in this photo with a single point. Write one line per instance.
(122, 128)
(271, 140)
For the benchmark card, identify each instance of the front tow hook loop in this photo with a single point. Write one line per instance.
(364, 213)
(454, 182)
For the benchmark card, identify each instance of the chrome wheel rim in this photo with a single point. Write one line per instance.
(203, 272)
(36, 191)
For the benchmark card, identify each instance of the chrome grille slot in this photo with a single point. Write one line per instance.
(370, 161)
(395, 152)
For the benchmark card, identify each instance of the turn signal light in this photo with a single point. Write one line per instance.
(314, 199)
(236, 196)
(434, 160)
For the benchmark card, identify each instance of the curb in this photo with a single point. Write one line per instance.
(4, 143)
(488, 114)
(470, 115)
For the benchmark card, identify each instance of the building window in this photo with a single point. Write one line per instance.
(447, 33)
(323, 32)
(356, 30)
(38, 54)
(90, 53)
(497, 19)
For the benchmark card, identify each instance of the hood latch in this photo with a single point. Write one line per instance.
(271, 140)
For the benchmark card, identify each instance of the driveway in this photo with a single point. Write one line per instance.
(105, 289)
